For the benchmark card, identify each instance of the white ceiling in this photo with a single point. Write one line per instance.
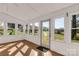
(29, 11)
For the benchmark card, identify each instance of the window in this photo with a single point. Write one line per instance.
(1, 28)
(45, 33)
(20, 29)
(59, 28)
(75, 28)
(36, 28)
(30, 29)
(11, 29)
(26, 31)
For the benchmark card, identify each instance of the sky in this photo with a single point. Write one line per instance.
(36, 24)
(59, 23)
(46, 24)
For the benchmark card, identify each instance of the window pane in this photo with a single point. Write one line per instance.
(45, 33)
(36, 28)
(1, 28)
(20, 29)
(75, 21)
(59, 28)
(11, 29)
(75, 28)
(30, 29)
(26, 31)
(75, 35)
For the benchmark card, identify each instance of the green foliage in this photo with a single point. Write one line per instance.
(1, 32)
(45, 29)
(11, 31)
(59, 36)
(45, 37)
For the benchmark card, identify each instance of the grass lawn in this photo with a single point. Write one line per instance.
(77, 41)
(45, 38)
(76, 38)
(59, 36)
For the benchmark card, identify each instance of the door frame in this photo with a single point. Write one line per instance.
(49, 43)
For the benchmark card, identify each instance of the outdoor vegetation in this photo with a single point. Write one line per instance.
(59, 34)
(45, 33)
(75, 28)
(26, 31)
(11, 29)
(20, 29)
(30, 29)
(45, 36)
(59, 28)
(36, 28)
(1, 28)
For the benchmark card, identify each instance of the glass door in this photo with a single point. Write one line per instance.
(45, 33)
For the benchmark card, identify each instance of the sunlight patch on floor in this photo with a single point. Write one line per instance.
(33, 53)
(12, 50)
(2, 49)
(1, 46)
(20, 44)
(19, 54)
(5, 47)
(48, 53)
(9, 45)
(24, 49)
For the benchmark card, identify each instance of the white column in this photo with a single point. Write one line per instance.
(67, 29)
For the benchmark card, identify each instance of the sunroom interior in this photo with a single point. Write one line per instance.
(39, 29)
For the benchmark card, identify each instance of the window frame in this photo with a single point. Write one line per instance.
(74, 28)
(26, 28)
(2, 27)
(8, 28)
(63, 29)
(36, 34)
(31, 28)
(20, 32)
